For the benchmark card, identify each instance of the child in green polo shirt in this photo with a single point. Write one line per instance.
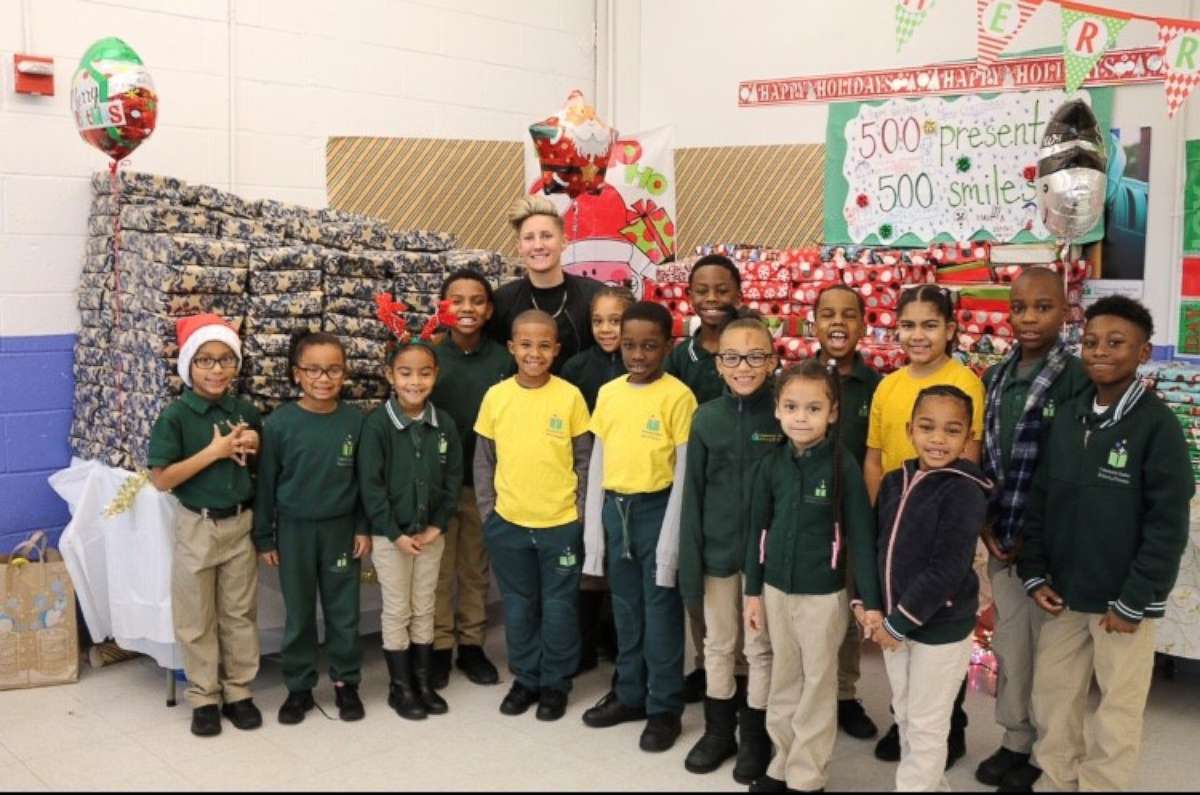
(306, 522)
(198, 451)
(410, 475)
(1105, 528)
(469, 363)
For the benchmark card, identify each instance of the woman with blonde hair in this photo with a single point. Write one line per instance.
(545, 286)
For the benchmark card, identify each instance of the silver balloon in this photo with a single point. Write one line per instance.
(1071, 172)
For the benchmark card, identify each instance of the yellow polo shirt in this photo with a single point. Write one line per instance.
(640, 426)
(891, 409)
(535, 466)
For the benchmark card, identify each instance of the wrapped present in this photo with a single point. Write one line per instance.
(879, 295)
(350, 306)
(277, 258)
(978, 321)
(168, 218)
(214, 199)
(142, 299)
(765, 271)
(358, 263)
(258, 232)
(365, 348)
(673, 272)
(881, 318)
(366, 389)
(290, 281)
(139, 342)
(266, 344)
(110, 204)
(965, 273)
(92, 298)
(268, 366)
(809, 272)
(671, 291)
(370, 367)
(356, 326)
(138, 182)
(808, 293)
(286, 304)
(92, 357)
(787, 326)
(365, 406)
(791, 349)
(419, 282)
(426, 262)
(423, 240)
(860, 275)
(651, 230)
(185, 278)
(986, 299)
(771, 307)
(883, 358)
(281, 325)
(186, 249)
(359, 289)
(766, 291)
(680, 307)
(418, 301)
(281, 388)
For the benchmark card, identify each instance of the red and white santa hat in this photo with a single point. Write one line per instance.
(193, 331)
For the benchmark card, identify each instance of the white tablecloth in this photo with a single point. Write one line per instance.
(1179, 630)
(121, 567)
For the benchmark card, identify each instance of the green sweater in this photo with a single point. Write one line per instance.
(305, 468)
(729, 437)
(696, 367)
(591, 369)
(409, 470)
(857, 390)
(463, 379)
(1107, 521)
(793, 503)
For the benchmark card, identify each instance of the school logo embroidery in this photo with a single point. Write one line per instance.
(653, 429)
(864, 410)
(346, 452)
(769, 438)
(1118, 459)
(557, 426)
(821, 490)
(443, 447)
(568, 559)
(1049, 409)
(653, 425)
(342, 563)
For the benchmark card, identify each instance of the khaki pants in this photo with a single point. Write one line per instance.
(1018, 622)
(725, 635)
(925, 679)
(465, 570)
(1072, 647)
(849, 655)
(409, 587)
(214, 605)
(802, 707)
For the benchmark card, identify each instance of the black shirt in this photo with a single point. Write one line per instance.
(570, 304)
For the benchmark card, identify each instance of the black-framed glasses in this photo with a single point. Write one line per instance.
(227, 362)
(314, 372)
(731, 359)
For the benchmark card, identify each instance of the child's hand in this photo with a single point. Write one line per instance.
(409, 544)
(872, 622)
(429, 535)
(754, 613)
(225, 445)
(1111, 622)
(1048, 600)
(248, 440)
(885, 639)
(270, 558)
(362, 546)
(989, 541)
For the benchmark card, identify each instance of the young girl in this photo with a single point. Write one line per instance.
(410, 472)
(305, 522)
(811, 503)
(729, 436)
(641, 428)
(931, 512)
(840, 324)
(715, 290)
(927, 332)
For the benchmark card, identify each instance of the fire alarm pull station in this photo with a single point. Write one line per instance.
(34, 75)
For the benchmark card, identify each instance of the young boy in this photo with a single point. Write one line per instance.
(1105, 528)
(1025, 393)
(198, 451)
(531, 465)
(470, 363)
(641, 425)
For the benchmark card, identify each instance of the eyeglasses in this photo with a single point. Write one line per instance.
(314, 372)
(733, 360)
(208, 362)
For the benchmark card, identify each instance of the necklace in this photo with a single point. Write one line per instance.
(561, 306)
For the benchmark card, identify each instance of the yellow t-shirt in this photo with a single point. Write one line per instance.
(891, 409)
(640, 426)
(535, 466)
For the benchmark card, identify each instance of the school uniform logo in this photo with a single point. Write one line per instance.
(557, 427)
(653, 428)
(1118, 459)
(568, 559)
(342, 564)
(864, 411)
(1049, 409)
(346, 453)
(819, 494)
(766, 438)
(443, 447)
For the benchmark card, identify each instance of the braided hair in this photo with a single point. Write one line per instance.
(813, 370)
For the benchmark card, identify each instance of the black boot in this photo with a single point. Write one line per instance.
(754, 746)
(401, 696)
(695, 685)
(440, 677)
(719, 741)
(956, 742)
(422, 668)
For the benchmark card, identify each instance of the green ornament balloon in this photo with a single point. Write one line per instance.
(113, 98)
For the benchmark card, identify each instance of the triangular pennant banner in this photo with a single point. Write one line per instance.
(1180, 42)
(909, 16)
(1088, 32)
(997, 23)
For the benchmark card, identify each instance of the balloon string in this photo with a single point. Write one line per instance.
(118, 369)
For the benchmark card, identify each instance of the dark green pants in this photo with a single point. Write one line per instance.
(538, 571)
(649, 618)
(317, 557)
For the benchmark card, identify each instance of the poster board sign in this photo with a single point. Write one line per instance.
(909, 172)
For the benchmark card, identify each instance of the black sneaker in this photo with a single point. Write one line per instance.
(439, 675)
(295, 706)
(695, 686)
(552, 704)
(888, 747)
(609, 711)
(350, 706)
(519, 700)
(475, 664)
(661, 732)
(243, 714)
(768, 784)
(992, 769)
(206, 721)
(1021, 778)
(853, 720)
(956, 746)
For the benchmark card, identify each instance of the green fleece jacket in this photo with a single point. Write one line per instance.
(729, 436)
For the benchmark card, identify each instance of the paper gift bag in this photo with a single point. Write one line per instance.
(39, 644)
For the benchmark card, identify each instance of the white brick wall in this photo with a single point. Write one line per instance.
(303, 70)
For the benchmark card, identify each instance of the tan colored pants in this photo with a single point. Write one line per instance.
(409, 587)
(802, 707)
(465, 572)
(1072, 647)
(925, 679)
(849, 654)
(1018, 622)
(725, 635)
(214, 605)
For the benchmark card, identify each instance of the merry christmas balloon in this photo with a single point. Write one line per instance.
(1071, 171)
(113, 98)
(573, 148)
